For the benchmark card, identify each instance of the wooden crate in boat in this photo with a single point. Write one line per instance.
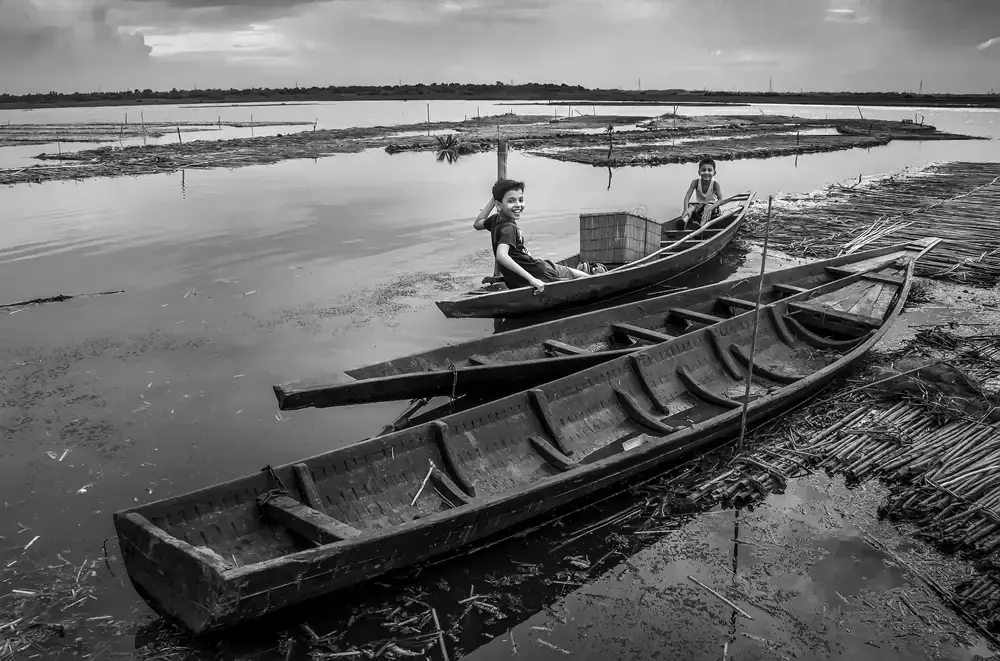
(617, 237)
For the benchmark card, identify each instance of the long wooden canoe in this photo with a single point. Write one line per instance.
(523, 358)
(679, 251)
(238, 550)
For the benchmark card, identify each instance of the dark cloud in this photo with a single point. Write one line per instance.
(69, 47)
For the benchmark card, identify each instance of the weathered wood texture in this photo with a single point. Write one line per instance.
(209, 559)
(543, 352)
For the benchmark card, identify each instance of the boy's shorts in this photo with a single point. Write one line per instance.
(558, 271)
(695, 211)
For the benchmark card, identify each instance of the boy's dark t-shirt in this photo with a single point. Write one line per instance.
(507, 231)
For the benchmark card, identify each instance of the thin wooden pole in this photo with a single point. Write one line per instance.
(501, 174)
(756, 322)
(501, 159)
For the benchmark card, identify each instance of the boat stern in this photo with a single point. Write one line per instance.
(178, 580)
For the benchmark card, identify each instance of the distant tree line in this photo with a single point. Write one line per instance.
(528, 91)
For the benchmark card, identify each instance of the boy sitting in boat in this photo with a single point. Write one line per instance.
(518, 267)
(707, 197)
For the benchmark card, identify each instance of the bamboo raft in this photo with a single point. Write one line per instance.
(957, 201)
(239, 550)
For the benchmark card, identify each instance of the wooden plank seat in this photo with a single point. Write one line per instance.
(819, 313)
(735, 303)
(789, 290)
(562, 348)
(841, 272)
(476, 359)
(303, 520)
(676, 235)
(639, 333)
(697, 317)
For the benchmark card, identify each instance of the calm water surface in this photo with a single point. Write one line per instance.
(236, 280)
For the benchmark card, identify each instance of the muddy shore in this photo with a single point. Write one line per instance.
(631, 141)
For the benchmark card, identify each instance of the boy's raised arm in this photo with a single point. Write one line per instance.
(480, 222)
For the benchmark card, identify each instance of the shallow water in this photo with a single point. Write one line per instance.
(236, 280)
(798, 567)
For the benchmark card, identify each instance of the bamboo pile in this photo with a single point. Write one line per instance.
(956, 201)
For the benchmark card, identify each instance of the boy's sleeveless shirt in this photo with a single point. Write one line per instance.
(507, 231)
(702, 197)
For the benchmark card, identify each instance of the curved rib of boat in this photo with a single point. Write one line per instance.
(241, 549)
(680, 250)
(529, 356)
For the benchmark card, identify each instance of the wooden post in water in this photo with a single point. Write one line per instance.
(501, 159)
(501, 174)
(179, 141)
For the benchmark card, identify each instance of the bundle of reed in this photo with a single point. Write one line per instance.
(981, 596)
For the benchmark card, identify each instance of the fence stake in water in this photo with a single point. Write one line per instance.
(756, 322)
(179, 141)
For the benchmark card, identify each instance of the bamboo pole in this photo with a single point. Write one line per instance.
(756, 323)
(501, 174)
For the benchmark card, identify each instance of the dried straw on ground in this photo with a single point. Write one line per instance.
(956, 201)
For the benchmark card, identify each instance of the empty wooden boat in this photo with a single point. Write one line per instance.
(247, 547)
(679, 251)
(523, 358)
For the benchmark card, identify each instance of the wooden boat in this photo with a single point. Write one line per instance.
(523, 358)
(679, 251)
(239, 550)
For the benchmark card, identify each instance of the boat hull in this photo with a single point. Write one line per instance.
(610, 409)
(559, 295)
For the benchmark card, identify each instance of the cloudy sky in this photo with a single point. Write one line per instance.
(832, 45)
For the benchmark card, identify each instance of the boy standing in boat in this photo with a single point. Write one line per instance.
(707, 197)
(518, 267)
